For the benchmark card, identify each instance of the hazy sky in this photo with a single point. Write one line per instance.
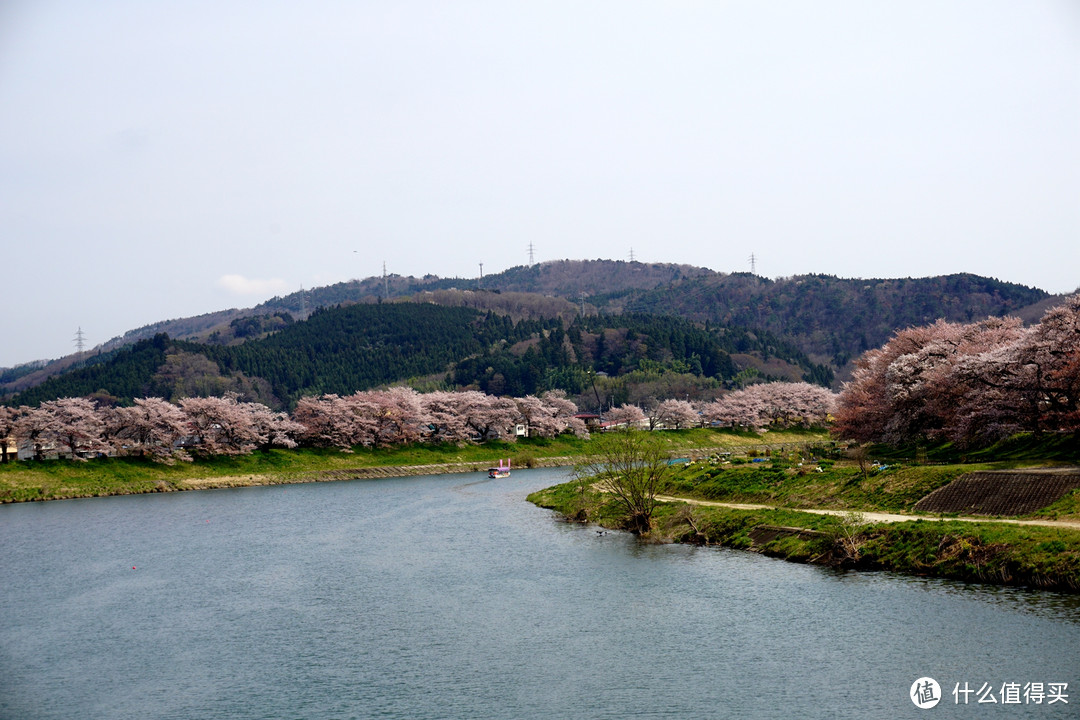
(161, 159)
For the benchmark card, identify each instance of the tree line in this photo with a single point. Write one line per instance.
(968, 383)
(206, 426)
(78, 428)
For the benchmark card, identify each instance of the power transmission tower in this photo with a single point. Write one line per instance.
(303, 303)
(385, 283)
(753, 264)
(481, 280)
(80, 341)
(531, 250)
(631, 254)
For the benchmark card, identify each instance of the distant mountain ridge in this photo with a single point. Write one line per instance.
(830, 319)
(795, 306)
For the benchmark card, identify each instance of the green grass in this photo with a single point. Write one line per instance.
(840, 485)
(983, 552)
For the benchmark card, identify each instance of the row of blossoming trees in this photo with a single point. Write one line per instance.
(768, 405)
(226, 426)
(77, 427)
(971, 383)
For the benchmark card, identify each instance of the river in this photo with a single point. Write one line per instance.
(450, 596)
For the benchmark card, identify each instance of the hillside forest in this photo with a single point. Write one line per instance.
(600, 361)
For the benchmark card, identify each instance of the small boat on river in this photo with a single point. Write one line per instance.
(500, 470)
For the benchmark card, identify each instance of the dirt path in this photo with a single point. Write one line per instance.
(873, 516)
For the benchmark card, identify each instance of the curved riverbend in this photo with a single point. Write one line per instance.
(450, 596)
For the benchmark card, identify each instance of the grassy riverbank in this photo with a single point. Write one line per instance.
(60, 479)
(1045, 557)
(894, 488)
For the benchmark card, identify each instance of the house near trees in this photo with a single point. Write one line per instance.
(591, 420)
(8, 449)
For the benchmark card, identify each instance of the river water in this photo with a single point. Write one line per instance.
(449, 596)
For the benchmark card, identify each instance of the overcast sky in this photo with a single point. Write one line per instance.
(165, 159)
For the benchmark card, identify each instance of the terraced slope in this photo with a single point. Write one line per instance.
(1007, 492)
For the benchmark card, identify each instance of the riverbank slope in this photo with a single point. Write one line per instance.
(758, 509)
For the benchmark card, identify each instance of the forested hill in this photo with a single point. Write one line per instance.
(832, 319)
(356, 347)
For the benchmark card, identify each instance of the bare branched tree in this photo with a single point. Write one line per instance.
(630, 464)
(849, 537)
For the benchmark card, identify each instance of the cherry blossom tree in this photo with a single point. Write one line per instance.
(446, 423)
(908, 389)
(397, 415)
(31, 426)
(863, 410)
(734, 410)
(563, 411)
(1045, 365)
(488, 417)
(970, 383)
(787, 404)
(546, 416)
(925, 394)
(325, 422)
(8, 419)
(223, 425)
(362, 413)
(676, 414)
(534, 416)
(779, 404)
(74, 425)
(152, 426)
(630, 416)
(273, 429)
(1031, 383)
